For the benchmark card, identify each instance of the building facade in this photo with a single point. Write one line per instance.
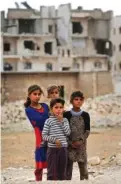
(116, 41)
(87, 33)
(56, 40)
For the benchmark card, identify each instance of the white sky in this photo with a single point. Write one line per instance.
(105, 5)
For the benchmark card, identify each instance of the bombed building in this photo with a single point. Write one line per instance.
(50, 39)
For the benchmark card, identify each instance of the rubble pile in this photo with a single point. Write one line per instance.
(13, 117)
(105, 111)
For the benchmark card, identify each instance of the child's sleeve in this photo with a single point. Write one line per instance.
(68, 115)
(31, 118)
(45, 133)
(87, 125)
(66, 127)
(34, 124)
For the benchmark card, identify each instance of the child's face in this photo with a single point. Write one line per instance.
(35, 96)
(77, 102)
(54, 93)
(57, 109)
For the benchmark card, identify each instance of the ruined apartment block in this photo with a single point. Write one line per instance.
(29, 42)
(116, 41)
(56, 40)
(88, 35)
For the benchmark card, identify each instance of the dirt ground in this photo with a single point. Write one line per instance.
(17, 149)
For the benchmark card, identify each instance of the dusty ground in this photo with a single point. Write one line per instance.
(18, 148)
(18, 158)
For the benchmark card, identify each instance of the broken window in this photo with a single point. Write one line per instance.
(120, 47)
(26, 25)
(120, 30)
(65, 68)
(29, 45)
(8, 67)
(27, 65)
(103, 47)
(58, 42)
(48, 47)
(6, 47)
(77, 27)
(49, 67)
(68, 52)
(100, 46)
(61, 90)
(98, 64)
(50, 29)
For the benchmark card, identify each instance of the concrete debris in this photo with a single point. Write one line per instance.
(103, 176)
(105, 111)
(118, 159)
(94, 161)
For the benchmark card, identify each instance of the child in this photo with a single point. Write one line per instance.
(80, 128)
(53, 92)
(55, 132)
(37, 113)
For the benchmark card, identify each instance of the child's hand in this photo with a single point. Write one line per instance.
(77, 144)
(60, 116)
(58, 143)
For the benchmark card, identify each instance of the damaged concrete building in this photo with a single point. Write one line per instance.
(56, 40)
(116, 41)
(29, 42)
(87, 34)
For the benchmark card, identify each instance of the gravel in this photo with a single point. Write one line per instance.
(97, 175)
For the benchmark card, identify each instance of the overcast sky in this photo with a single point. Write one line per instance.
(105, 5)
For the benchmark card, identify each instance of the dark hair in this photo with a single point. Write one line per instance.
(56, 100)
(51, 88)
(30, 90)
(76, 94)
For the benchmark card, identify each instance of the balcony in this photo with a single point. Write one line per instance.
(76, 52)
(34, 53)
(10, 54)
(65, 62)
(78, 35)
(30, 53)
(81, 15)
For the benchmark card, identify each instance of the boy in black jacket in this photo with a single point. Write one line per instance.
(77, 141)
